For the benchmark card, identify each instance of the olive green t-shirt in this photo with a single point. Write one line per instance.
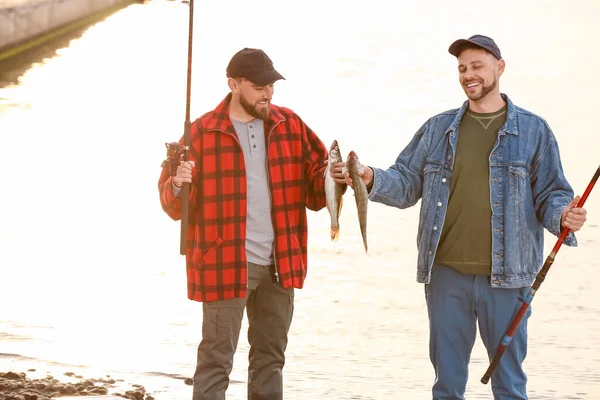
(466, 241)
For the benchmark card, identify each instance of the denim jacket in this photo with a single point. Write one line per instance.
(528, 191)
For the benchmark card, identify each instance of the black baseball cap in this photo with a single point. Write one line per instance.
(254, 65)
(480, 41)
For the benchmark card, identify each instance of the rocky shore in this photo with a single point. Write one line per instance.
(17, 386)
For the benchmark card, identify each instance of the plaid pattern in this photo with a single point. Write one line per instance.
(216, 255)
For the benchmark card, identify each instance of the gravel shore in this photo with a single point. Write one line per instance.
(17, 386)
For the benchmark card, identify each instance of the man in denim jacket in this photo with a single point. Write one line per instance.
(490, 179)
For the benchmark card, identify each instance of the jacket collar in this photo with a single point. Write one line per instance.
(219, 119)
(510, 125)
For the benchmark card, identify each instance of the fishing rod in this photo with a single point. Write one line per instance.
(176, 153)
(536, 284)
(185, 194)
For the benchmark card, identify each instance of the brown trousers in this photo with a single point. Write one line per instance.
(269, 308)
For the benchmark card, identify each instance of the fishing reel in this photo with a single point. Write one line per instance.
(175, 154)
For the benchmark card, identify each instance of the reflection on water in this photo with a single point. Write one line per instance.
(90, 274)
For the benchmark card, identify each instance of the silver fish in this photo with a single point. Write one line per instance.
(361, 195)
(333, 191)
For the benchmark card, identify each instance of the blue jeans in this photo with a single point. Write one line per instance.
(455, 303)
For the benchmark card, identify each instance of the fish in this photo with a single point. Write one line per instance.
(334, 191)
(361, 195)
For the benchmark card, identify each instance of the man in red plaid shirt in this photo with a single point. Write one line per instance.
(254, 169)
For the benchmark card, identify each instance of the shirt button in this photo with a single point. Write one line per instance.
(250, 126)
(439, 203)
(435, 228)
(444, 180)
(430, 252)
(254, 146)
(449, 157)
(252, 136)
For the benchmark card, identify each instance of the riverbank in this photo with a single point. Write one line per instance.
(18, 386)
(18, 57)
(27, 24)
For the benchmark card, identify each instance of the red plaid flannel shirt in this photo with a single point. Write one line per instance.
(216, 254)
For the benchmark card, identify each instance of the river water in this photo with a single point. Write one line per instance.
(91, 279)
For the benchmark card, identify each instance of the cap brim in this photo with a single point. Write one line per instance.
(459, 45)
(266, 78)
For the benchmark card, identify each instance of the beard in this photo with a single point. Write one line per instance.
(254, 110)
(484, 91)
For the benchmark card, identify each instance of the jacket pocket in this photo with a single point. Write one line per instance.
(518, 177)
(431, 179)
(517, 180)
(201, 254)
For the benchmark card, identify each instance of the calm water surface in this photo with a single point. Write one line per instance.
(91, 279)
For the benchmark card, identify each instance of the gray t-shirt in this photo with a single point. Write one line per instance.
(259, 226)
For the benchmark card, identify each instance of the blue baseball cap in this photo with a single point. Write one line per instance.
(480, 41)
